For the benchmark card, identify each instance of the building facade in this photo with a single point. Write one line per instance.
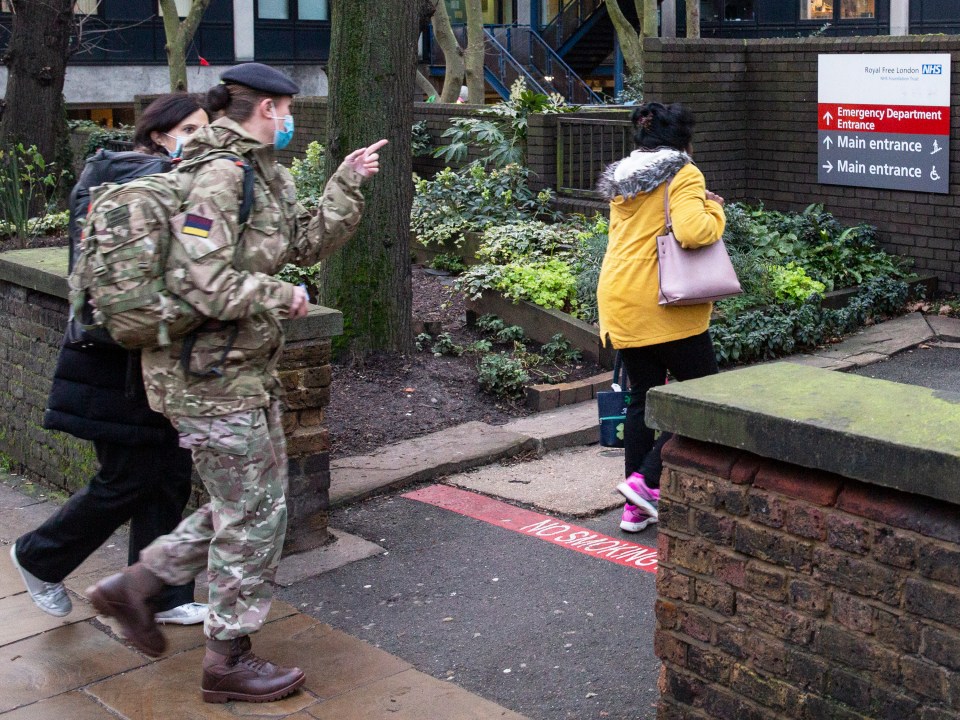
(565, 46)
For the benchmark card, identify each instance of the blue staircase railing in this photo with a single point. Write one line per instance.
(541, 63)
(569, 19)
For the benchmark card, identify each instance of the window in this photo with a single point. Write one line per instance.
(85, 7)
(816, 9)
(313, 10)
(273, 10)
(854, 9)
(738, 10)
(6, 6)
(708, 11)
(849, 9)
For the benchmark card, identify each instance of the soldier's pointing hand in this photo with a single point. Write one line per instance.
(366, 161)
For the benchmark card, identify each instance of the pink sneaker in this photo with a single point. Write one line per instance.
(635, 490)
(635, 519)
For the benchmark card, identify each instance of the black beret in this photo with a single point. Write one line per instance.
(261, 77)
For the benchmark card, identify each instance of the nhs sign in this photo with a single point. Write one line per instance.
(929, 69)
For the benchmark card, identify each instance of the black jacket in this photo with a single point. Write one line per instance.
(97, 391)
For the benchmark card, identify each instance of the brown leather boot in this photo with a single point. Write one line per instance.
(125, 596)
(232, 672)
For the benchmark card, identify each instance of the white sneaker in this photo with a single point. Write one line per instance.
(50, 597)
(188, 614)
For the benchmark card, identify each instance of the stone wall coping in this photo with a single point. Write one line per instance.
(45, 270)
(884, 433)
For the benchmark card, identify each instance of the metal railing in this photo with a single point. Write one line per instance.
(585, 146)
(572, 14)
(503, 69)
(512, 51)
(542, 63)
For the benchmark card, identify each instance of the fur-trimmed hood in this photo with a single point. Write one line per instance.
(641, 171)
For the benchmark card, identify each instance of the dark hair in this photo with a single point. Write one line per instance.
(235, 101)
(658, 125)
(163, 114)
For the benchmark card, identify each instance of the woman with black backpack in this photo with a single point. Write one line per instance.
(98, 395)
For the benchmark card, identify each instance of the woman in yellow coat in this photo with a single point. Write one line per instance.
(653, 339)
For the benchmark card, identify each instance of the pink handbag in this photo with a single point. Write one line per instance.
(692, 277)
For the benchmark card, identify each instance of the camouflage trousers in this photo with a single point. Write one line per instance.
(238, 535)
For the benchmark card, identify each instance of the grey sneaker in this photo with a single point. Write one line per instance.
(188, 614)
(50, 597)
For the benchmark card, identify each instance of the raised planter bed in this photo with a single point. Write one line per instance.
(467, 250)
(541, 324)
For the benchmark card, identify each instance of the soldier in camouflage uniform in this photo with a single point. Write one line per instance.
(220, 386)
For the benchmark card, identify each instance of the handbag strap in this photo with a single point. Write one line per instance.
(666, 204)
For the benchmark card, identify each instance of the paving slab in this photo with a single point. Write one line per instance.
(170, 688)
(573, 481)
(566, 426)
(345, 549)
(76, 705)
(20, 618)
(59, 661)
(946, 328)
(884, 339)
(410, 695)
(424, 458)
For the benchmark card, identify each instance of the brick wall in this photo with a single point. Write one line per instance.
(31, 328)
(756, 103)
(785, 592)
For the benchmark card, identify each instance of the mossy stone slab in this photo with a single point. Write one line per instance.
(890, 434)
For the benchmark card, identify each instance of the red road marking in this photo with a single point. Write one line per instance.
(543, 527)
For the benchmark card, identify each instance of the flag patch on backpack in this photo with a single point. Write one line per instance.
(198, 226)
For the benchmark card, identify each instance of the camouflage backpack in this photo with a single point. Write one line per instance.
(117, 283)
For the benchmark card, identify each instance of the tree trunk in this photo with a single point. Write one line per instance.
(693, 19)
(179, 34)
(456, 70)
(647, 12)
(476, 85)
(426, 87)
(631, 42)
(36, 60)
(372, 67)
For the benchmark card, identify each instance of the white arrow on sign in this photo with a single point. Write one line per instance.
(828, 117)
(828, 167)
(827, 141)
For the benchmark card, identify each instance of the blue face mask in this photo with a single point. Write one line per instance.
(282, 138)
(178, 150)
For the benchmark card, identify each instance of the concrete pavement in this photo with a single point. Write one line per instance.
(77, 667)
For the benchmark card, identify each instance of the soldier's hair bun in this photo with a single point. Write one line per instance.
(218, 97)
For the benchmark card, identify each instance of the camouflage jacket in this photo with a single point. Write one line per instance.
(225, 272)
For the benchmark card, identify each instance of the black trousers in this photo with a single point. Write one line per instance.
(647, 367)
(149, 485)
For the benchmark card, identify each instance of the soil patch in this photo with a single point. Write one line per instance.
(393, 397)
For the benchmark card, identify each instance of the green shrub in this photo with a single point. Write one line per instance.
(310, 174)
(777, 330)
(443, 344)
(791, 284)
(502, 376)
(28, 191)
(500, 131)
(101, 136)
(421, 143)
(309, 276)
(448, 262)
(473, 199)
(559, 350)
(528, 240)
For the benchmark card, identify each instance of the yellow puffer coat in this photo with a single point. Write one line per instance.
(627, 293)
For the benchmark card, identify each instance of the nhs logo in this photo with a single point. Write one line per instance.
(932, 69)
